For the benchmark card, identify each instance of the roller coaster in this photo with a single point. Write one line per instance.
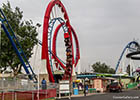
(51, 18)
(132, 46)
(49, 51)
(55, 19)
(17, 47)
(134, 54)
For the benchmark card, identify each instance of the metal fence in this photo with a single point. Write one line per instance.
(6, 85)
(25, 90)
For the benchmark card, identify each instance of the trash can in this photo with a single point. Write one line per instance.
(90, 90)
(76, 91)
(94, 90)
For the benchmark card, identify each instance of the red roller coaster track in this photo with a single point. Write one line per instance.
(45, 52)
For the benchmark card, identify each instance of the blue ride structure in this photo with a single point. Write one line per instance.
(17, 47)
(131, 46)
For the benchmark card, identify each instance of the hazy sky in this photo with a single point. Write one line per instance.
(104, 27)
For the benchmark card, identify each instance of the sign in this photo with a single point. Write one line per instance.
(64, 86)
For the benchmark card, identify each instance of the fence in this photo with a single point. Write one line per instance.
(25, 90)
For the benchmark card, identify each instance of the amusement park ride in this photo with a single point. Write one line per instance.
(56, 18)
(17, 47)
(52, 19)
(133, 49)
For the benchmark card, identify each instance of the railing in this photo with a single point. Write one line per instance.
(25, 90)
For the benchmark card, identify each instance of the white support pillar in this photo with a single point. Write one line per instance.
(43, 69)
(79, 67)
(73, 72)
(131, 68)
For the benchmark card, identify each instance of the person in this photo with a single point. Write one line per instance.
(44, 85)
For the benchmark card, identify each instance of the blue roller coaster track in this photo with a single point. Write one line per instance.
(128, 46)
(17, 47)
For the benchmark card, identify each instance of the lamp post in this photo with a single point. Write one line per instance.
(84, 88)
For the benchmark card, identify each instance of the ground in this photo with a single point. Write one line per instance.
(125, 95)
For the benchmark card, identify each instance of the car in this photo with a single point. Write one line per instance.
(115, 86)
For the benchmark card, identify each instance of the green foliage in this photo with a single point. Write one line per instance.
(26, 34)
(102, 68)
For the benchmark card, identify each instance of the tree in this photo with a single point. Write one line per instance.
(102, 68)
(26, 34)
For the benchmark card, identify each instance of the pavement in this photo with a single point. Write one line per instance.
(125, 95)
(89, 94)
(81, 95)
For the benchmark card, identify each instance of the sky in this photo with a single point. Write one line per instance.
(103, 27)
